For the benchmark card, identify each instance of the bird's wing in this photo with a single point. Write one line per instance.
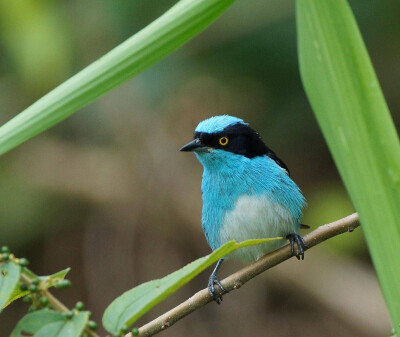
(275, 158)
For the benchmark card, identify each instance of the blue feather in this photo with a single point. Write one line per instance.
(217, 123)
(228, 176)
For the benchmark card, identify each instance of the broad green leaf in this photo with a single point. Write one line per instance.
(9, 277)
(49, 281)
(70, 328)
(171, 30)
(33, 322)
(131, 305)
(350, 108)
(50, 330)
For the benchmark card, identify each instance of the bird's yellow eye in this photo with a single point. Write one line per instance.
(223, 141)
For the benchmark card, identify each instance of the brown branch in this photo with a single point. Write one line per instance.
(236, 280)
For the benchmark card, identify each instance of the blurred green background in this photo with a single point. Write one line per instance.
(107, 193)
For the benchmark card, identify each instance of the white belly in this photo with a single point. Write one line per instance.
(256, 217)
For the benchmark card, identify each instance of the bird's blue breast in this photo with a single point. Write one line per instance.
(228, 176)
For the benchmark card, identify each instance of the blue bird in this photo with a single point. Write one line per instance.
(247, 192)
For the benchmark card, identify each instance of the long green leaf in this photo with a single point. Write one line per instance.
(347, 100)
(133, 304)
(161, 37)
(9, 277)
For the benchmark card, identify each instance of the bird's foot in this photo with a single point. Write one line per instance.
(215, 294)
(300, 243)
(213, 281)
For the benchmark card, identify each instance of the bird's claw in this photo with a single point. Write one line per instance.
(300, 243)
(215, 294)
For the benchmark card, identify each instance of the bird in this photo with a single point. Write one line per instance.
(247, 193)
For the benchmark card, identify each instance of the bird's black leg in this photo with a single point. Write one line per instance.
(300, 243)
(212, 281)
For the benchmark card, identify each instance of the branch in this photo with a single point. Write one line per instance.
(236, 280)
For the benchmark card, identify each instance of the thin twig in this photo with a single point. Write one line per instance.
(236, 280)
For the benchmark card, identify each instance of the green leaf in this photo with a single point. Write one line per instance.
(33, 322)
(50, 330)
(48, 323)
(131, 305)
(171, 30)
(16, 294)
(52, 280)
(9, 277)
(49, 281)
(70, 328)
(347, 100)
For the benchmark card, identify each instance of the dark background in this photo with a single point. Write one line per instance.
(107, 193)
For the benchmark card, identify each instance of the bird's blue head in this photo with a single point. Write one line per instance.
(217, 140)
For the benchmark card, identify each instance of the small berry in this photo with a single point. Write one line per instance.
(5, 256)
(36, 281)
(92, 325)
(89, 313)
(124, 329)
(68, 315)
(23, 287)
(44, 301)
(32, 288)
(27, 299)
(31, 309)
(79, 306)
(135, 331)
(5, 249)
(23, 262)
(63, 284)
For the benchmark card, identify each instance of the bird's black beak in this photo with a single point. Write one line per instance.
(194, 145)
